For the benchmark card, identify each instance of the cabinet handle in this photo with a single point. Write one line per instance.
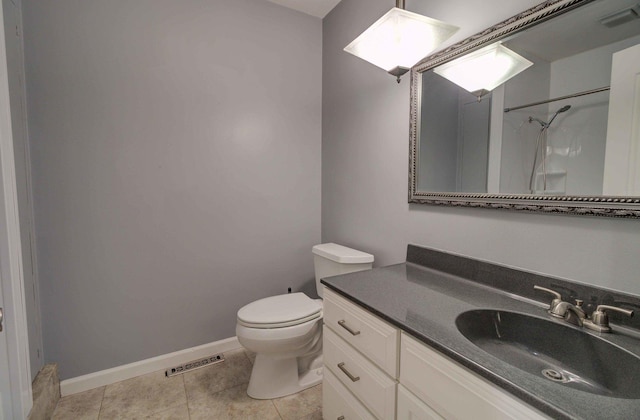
(346, 372)
(344, 325)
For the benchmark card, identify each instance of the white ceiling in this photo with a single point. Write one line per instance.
(318, 8)
(576, 32)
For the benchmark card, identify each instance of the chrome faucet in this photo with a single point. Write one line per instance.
(573, 314)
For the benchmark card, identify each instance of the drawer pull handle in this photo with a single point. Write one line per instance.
(341, 418)
(344, 325)
(346, 372)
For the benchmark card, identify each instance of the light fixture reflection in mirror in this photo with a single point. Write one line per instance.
(483, 70)
(399, 39)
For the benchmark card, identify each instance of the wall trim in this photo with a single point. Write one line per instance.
(131, 370)
(15, 340)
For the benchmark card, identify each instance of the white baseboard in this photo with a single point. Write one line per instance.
(165, 361)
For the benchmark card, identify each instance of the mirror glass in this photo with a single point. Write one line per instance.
(569, 125)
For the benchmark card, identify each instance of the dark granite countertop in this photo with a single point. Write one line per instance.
(425, 302)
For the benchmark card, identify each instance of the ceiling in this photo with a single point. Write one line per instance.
(577, 31)
(318, 8)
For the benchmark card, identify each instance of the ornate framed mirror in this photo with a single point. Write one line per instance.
(561, 136)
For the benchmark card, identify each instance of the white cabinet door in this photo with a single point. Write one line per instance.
(453, 391)
(411, 407)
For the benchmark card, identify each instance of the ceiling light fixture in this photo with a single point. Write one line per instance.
(483, 70)
(400, 39)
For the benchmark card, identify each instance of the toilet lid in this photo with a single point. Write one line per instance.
(282, 309)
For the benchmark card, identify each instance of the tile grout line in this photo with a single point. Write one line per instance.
(276, 407)
(104, 391)
(171, 407)
(186, 398)
(247, 356)
(186, 395)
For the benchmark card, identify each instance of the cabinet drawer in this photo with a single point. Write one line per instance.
(338, 402)
(366, 381)
(410, 407)
(372, 336)
(444, 385)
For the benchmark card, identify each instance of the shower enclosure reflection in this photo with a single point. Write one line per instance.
(525, 138)
(542, 143)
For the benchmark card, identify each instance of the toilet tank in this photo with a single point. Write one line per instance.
(333, 259)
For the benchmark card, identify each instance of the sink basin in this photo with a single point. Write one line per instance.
(564, 355)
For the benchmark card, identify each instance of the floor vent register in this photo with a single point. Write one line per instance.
(195, 364)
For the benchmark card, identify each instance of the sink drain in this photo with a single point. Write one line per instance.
(554, 375)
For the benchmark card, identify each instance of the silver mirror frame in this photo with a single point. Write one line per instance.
(610, 206)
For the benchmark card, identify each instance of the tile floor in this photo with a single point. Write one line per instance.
(213, 392)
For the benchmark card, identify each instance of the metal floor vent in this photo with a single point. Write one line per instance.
(216, 358)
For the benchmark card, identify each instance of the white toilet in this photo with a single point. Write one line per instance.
(285, 331)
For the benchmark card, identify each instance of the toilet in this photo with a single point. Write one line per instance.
(285, 331)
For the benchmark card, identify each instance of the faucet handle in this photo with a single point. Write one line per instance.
(600, 320)
(557, 296)
(544, 289)
(627, 312)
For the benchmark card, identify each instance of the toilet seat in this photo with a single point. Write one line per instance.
(280, 311)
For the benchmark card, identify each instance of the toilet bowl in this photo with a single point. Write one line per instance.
(285, 344)
(285, 331)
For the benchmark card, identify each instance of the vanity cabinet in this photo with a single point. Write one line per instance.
(451, 390)
(373, 370)
(361, 351)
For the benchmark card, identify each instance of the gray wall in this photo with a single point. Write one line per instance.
(473, 144)
(438, 146)
(176, 166)
(364, 184)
